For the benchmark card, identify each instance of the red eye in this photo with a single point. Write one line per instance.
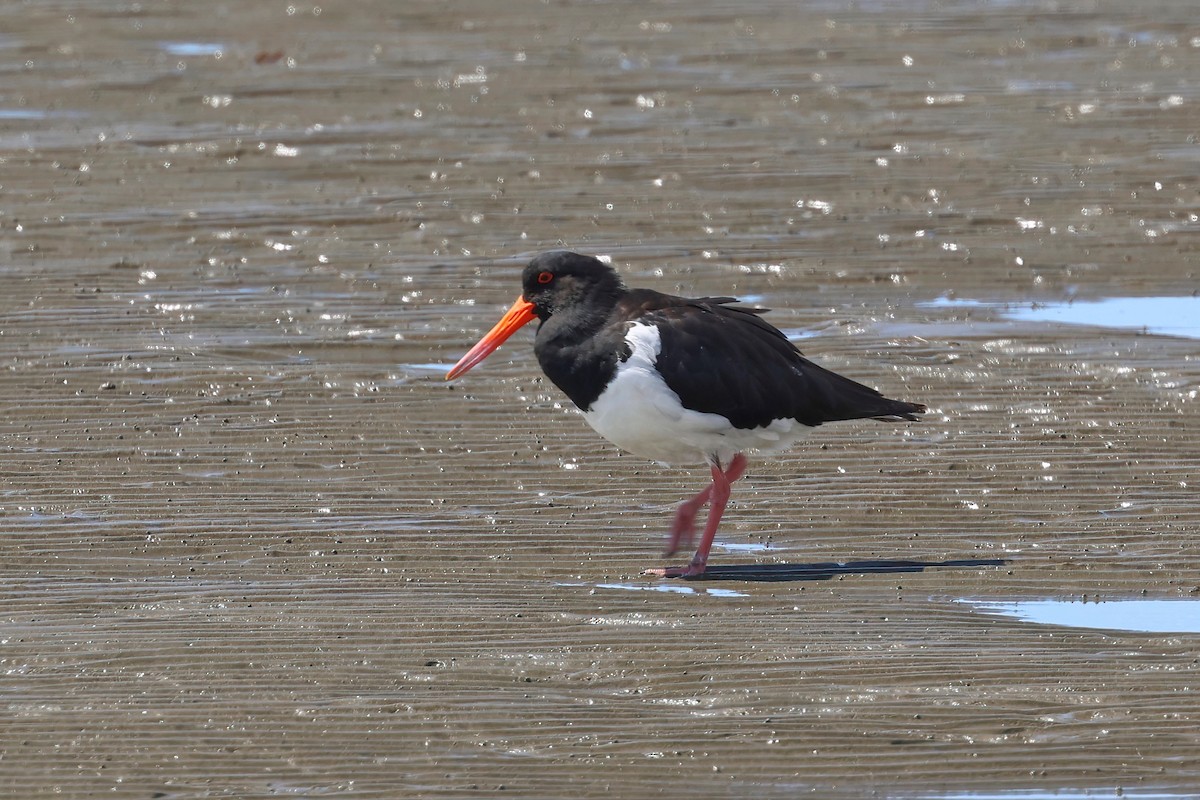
(545, 277)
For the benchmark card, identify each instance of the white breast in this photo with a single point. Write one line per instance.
(639, 413)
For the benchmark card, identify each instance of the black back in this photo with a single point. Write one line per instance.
(727, 360)
(719, 358)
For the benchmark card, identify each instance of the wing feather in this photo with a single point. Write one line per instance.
(725, 359)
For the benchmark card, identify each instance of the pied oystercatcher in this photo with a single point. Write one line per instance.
(676, 380)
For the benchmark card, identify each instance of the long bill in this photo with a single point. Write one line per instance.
(520, 314)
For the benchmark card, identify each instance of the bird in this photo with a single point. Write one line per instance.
(676, 380)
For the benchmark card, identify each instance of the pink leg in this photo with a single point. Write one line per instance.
(682, 530)
(737, 468)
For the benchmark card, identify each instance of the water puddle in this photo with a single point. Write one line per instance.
(1051, 794)
(185, 49)
(19, 114)
(1163, 316)
(669, 588)
(1138, 616)
(746, 547)
(431, 366)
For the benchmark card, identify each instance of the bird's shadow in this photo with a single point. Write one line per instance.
(826, 571)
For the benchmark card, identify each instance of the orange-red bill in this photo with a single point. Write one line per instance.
(520, 314)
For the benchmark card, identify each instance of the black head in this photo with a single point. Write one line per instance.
(560, 280)
(582, 290)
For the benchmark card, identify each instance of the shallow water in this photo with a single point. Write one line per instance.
(1066, 794)
(1161, 316)
(1138, 616)
(252, 543)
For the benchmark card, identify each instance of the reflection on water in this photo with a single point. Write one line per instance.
(1165, 316)
(1140, 616)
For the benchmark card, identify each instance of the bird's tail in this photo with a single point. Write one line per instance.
(902, 410)
(848, 399)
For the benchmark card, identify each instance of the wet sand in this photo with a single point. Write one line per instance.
(253, 545)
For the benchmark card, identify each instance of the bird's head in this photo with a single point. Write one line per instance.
(557, 281)
(560, 280)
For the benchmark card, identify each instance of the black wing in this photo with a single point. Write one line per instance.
(726, 360)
